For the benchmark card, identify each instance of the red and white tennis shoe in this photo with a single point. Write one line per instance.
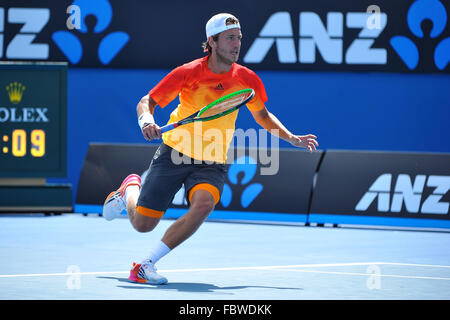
(145, 272)
(115, 202)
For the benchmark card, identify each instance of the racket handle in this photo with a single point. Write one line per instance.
(169, 127)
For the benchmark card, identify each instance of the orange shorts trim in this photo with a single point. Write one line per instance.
(207, 187)
(149, 212)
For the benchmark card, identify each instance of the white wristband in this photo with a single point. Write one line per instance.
(145, 119)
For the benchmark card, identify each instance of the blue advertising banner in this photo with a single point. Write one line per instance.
(399, 189)
(392, 36)
(258, 180)
(361, 187)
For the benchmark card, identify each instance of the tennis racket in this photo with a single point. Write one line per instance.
(219, 108)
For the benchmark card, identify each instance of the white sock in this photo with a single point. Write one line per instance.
(132, 191)
(159, 251)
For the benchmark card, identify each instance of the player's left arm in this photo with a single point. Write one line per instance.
(271, 123)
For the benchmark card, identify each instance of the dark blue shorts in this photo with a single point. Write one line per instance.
(165, 177)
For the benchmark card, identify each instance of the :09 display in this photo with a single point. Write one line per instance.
(19, 143)
(33, 120)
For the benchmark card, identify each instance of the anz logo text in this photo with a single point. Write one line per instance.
(22, 45)
(327, 37)
(408, 191)
(313, 33)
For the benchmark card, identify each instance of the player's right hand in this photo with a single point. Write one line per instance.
(151, 131)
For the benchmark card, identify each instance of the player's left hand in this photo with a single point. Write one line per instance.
(308, 141)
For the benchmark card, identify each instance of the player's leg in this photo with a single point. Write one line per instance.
(142, 222)
(202, 205)
(126, 198)
(203, 187)
(147, 208)
(164, 179)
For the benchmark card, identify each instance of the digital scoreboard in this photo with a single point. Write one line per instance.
(33, 120)
(33, 137)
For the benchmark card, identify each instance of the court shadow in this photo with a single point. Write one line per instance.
(187, 286)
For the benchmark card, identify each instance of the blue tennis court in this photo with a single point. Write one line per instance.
(74, 257)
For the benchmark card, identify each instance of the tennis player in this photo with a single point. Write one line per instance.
(202, 172)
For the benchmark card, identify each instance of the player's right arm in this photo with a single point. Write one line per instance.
(162, 94)
(145, 109)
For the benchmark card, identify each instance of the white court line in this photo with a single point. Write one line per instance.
(366, 274)
(414, 265)
(192, 270)
(229, 269)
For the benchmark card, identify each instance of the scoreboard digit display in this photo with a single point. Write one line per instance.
(33, 120)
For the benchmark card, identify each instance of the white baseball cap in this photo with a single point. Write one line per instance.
(218, 24)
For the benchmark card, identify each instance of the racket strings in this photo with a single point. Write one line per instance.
(224, 106)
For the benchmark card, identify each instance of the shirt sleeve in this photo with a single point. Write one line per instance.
(169, 87)
(258, 102)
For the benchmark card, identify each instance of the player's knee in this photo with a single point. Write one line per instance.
(203, 205)
(144, 224)
(143, 228)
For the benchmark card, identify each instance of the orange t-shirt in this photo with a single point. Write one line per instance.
(197, 86)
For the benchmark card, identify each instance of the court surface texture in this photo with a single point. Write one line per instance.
(74, 257)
